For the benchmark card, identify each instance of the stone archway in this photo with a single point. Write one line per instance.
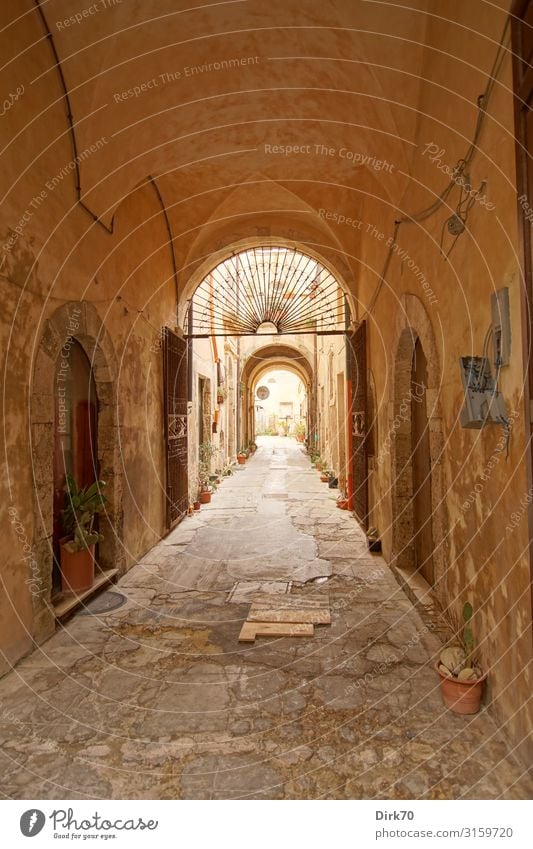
(75, 320)
(274, 355)
(414, 327)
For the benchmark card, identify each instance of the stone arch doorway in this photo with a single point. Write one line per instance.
(274, 356)
(283, 410)
(417, 526)
(73, 326)
(264, 293)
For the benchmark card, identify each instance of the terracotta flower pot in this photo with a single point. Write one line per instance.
(461, 696)
(241, 459)
(196, 505)
(77, 570)
(205, 497)
(325, 478)
(343, 504)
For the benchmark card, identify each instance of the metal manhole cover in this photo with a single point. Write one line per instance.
(104, 603)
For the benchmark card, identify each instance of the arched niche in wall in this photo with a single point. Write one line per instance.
(414, 344)
(78, 322)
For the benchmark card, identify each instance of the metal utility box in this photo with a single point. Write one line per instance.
(483, 403)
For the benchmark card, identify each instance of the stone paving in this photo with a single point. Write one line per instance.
(157, 699)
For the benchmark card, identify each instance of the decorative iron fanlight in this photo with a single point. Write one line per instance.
(267, 290)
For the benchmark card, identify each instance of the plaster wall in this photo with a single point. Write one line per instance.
(446, 302)
(52, 252)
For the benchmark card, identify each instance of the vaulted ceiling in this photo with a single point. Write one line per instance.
(253, 117)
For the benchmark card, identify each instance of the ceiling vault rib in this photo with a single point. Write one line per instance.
(70, 120)
(170, 239)
(75, 158)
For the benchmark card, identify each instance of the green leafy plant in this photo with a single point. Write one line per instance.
(299, 430)
(206, 453)
(459, 658)
(82, 504)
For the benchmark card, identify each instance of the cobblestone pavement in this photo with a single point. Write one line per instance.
(159, 700)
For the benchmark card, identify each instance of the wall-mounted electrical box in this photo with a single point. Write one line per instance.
(501, 328)
(483, 403)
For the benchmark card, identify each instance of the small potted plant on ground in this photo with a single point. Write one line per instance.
(373, 540)
(326, 476)
(252, 447)
(314, 457)
(242, 456)
(82, 504)
(461, 678)
(204, 495)
(222, 394)
(299, 431)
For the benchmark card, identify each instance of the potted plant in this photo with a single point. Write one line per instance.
(252, 447)
(206, 453)
(300, 431)
(342, 502)
(242, 456)
(82, 504)
(373, 540)
(314, 457)
(461, 678)
(326, 476)
(222, 394)
(204, 496)
(196, 505)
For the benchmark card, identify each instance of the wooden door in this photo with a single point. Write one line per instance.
(175, 392)
(357, 399)
(421, 468)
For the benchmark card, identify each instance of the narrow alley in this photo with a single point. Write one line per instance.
(158, 699)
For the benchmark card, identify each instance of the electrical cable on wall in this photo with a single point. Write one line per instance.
(462, 164)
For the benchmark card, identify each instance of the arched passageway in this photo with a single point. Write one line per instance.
(348, 211)
(277, 355)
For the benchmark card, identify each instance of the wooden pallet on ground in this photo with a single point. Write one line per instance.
(251, 630)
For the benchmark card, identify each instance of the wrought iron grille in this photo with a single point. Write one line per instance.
(267, 290)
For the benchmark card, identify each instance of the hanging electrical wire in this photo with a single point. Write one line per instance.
(458, 171)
